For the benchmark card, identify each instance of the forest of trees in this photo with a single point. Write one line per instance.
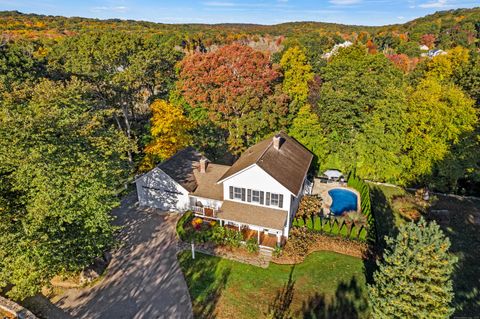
(88, 104)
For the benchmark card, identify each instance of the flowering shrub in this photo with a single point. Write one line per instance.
(212, 223)
(197, 223)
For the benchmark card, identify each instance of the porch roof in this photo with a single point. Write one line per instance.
(253, 215)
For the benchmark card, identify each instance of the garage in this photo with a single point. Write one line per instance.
(167, 186)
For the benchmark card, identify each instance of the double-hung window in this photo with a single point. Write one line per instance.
(256, 196)
(237, 193)
(274, 199)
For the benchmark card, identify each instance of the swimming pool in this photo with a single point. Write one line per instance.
(342, 201)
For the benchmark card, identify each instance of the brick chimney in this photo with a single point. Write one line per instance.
(203, 165)
(277, 141)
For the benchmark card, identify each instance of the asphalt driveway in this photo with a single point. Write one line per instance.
(143, 279)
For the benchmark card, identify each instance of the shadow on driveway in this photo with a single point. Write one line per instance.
(143, 279)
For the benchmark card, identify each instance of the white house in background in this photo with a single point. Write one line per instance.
(423, 47)
(434, 53)
(259, 194)
(335, 49)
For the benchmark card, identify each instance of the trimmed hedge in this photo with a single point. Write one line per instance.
(186, 218)
(331, 226)
(366, 207)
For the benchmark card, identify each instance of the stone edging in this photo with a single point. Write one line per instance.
(15, 309)
(257, 260)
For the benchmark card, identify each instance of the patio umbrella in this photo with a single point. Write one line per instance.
(332, 173)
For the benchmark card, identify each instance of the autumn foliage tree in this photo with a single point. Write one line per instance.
(169, 130)
(428, 40)
(236, 84)
(297, 74)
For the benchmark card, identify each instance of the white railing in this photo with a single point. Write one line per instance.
(201, 211)
(307, 187)
(197, 209)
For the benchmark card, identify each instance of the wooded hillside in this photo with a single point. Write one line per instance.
(88, 104)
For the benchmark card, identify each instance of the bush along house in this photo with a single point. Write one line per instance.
(259, 194)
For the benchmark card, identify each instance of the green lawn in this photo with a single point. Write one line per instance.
(464, 236)
(325, 285)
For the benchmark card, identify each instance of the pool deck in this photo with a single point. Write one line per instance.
(322, 189)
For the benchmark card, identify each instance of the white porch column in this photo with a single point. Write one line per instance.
(279, 238)
(258, 237)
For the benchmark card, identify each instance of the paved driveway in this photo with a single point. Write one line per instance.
(143, 279)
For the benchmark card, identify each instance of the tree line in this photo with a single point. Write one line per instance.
(83, 112)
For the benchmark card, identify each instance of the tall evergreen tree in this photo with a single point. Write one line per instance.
(414, 278)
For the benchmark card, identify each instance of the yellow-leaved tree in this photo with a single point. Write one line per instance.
(169, 130)
(297, 73)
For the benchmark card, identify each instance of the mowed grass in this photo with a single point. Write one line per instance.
(325, 285)
(452, 214)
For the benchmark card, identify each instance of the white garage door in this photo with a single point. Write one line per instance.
(162, 199)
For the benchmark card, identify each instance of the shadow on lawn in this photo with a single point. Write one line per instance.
(385, 226)
(452, 214)
(280, 307)
(206, 281)
(349, 302)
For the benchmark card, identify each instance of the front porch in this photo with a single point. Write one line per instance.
(264, 224)
(263, 239)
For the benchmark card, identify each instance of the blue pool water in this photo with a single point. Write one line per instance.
(342, 201)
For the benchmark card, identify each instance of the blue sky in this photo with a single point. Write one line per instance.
(366, 12)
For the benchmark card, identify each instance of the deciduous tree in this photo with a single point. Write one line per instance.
(169, 130)
(307, 130)
(439, 114)
(296, 75)
(237, 85)
(61, 165)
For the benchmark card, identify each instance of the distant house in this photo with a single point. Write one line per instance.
(260, 192)
(434, 53)
(335, 49)
(423, 47)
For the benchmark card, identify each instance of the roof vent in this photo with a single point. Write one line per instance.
(203, 165)
(277, 141)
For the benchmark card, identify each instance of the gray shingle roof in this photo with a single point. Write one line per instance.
(181, 167)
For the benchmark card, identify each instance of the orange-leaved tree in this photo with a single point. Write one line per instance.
(240, 89)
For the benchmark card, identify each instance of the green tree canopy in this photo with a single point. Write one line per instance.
(354, 83)
(61, 166)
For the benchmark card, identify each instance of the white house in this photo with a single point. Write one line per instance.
(259, 194)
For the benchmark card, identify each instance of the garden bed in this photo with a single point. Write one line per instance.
(303, 242)
(211, 238)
